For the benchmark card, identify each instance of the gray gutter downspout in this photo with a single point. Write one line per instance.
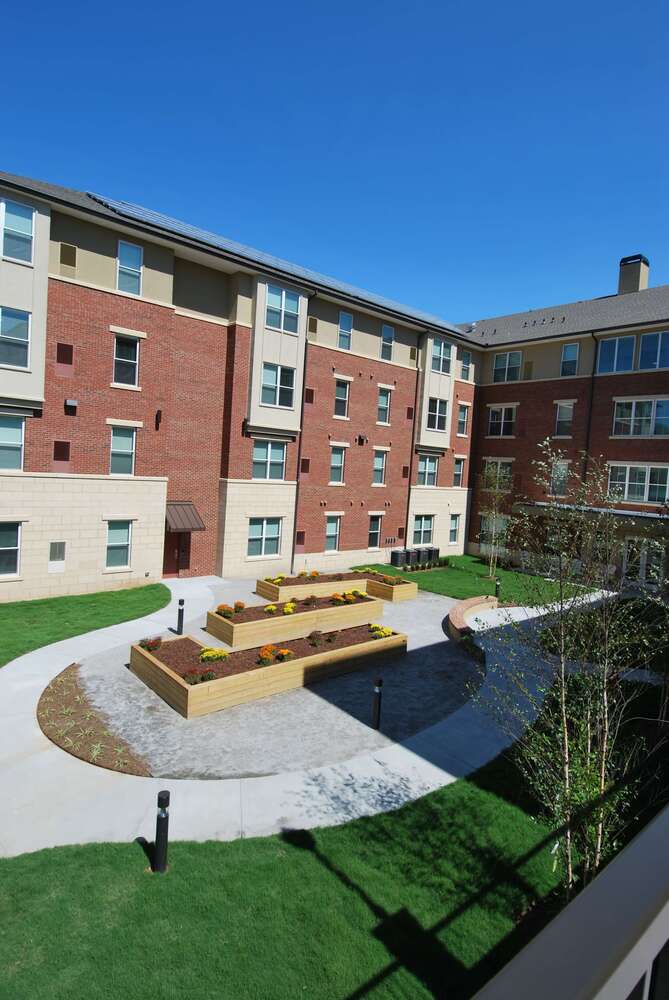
(312, 295)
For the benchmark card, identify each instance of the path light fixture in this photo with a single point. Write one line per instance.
(376, 703)
(159, 864)
(180, 617)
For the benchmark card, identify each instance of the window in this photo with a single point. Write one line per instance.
(11, 442)
(422, 529)
(465, 365)
(458, 471)
(441, 356)
(10, 546)
(564, 418)
(454, 529)
(129, 273)
(654, 350)
(122, 451)
(383, 409)
(345, 328)
(56, 557)
(126, 361)
(507, 367)
(119, 535)
(332, 529)
(337, 458)
(501, 421)
(497, 473)
(569, 362)
(374, 538)
(615, 355)
(61, 451)
(493, 529)
(559, 477)
(379, 469)
(641, 418)
(14, 337)
(17, 231)
(427, 470)
(436, 414)
(278, 385)
(341, 398)
(387, 339)
(264, 536)
(638, 483)
(463, 418)
(269, 460)
(283, 309)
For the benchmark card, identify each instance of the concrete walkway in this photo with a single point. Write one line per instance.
(51, 798)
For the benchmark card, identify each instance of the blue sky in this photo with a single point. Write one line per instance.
(468, 159)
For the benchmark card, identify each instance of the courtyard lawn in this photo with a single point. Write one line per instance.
(27, 625)
(467, 576)
(422, 902)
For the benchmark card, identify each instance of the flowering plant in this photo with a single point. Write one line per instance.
(212, 654)
(195, 676)
(270, 609)
(349, 597)
(150, 645)
(303, 572)
(225, 611)
(289, 609)
(239, 606)
(266, 655)
(380, 631)
(284, 654)
(314, 573)
(337, 598)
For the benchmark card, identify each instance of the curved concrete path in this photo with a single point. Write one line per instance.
(51, 798)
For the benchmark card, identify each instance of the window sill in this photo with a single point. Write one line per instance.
(437, 430)
(336, 484)
(277, 406)
(276, 555)
(638, 437)
(266, 479)
(383, 423)
(331, 552)
(117, 569)
(15, 260)
(462, 435)
(120, 385)
(335, 416)
(500, 437)
(374, 548)
(562, 437)
(17, 368)
(277, 329)
(379, 486)
(11, 578)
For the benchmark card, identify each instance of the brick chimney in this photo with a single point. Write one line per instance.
(633, 274)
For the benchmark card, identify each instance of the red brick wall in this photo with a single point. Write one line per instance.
(358, 496)
(182, 373)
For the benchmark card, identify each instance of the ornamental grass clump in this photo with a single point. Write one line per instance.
(266, 655)
(150, 645)
(212, 654)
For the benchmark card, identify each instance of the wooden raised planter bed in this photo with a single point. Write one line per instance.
(298, 591)
(261, 682)
(405, 591)
(279, 627)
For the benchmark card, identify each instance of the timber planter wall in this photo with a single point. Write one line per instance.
(316, 588)
(192, 700)
(389, 592)
(279, 627)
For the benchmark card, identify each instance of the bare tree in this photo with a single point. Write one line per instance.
(495, 482)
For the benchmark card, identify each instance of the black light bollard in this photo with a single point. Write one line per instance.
(180, 617)
(159, 864)
(376, 703)
(498, 587)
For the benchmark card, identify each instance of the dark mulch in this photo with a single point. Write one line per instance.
(325, 578)
(256, 613)
(181, 655)
(69, 720)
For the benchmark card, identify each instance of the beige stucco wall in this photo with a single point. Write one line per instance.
(57, 507)
(200, 289)
(366, 333)
(240, 500)
(24, 286)
(97, 249)
(441, 503)
(544, 358)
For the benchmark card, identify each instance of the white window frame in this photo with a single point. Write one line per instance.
(463, 407)
(384, 466)
(562, 465)
(113, 429)
(18, 368)
(454, 526)
(263, 538)
(137, 342)
(504, 419)
(342, 416)
(338, 448)
(21, 449)
(337, 535)
(389, 395)
(379, 518)
(342, 332)
(57, 565)
(437, 416)
(387, 341)
(442, 353)
(268, 460)
(507, 365)
(423, 524)
(130, 270)
(424, 474)
(648, 467)
(3, 224)
(461, 476)
(280, 369)
(563, 404)
(564, 361)
(128, 564)
(282, 309)
(465, 366)
(14, 548)
(618, 341)
(653, 418)
(499, 462)
(659, 334)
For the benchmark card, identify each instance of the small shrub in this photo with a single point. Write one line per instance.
(284, 654)
(239, 606)
(150, 645)
(289, 609)
(316, 638)
(270, 609)
(212, 654)
(443, 561)
(266, 655)
(309, 602)
(192, 676)
(225, 611)
(331, 636)
(339, 577)
(303, 573)
(208, 675)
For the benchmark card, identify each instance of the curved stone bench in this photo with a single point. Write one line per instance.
(457, 616)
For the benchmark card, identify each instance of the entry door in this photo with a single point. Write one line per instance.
(171, 553)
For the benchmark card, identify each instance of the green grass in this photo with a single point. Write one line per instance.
(27, 625)
(466, 576)
(420, 902)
